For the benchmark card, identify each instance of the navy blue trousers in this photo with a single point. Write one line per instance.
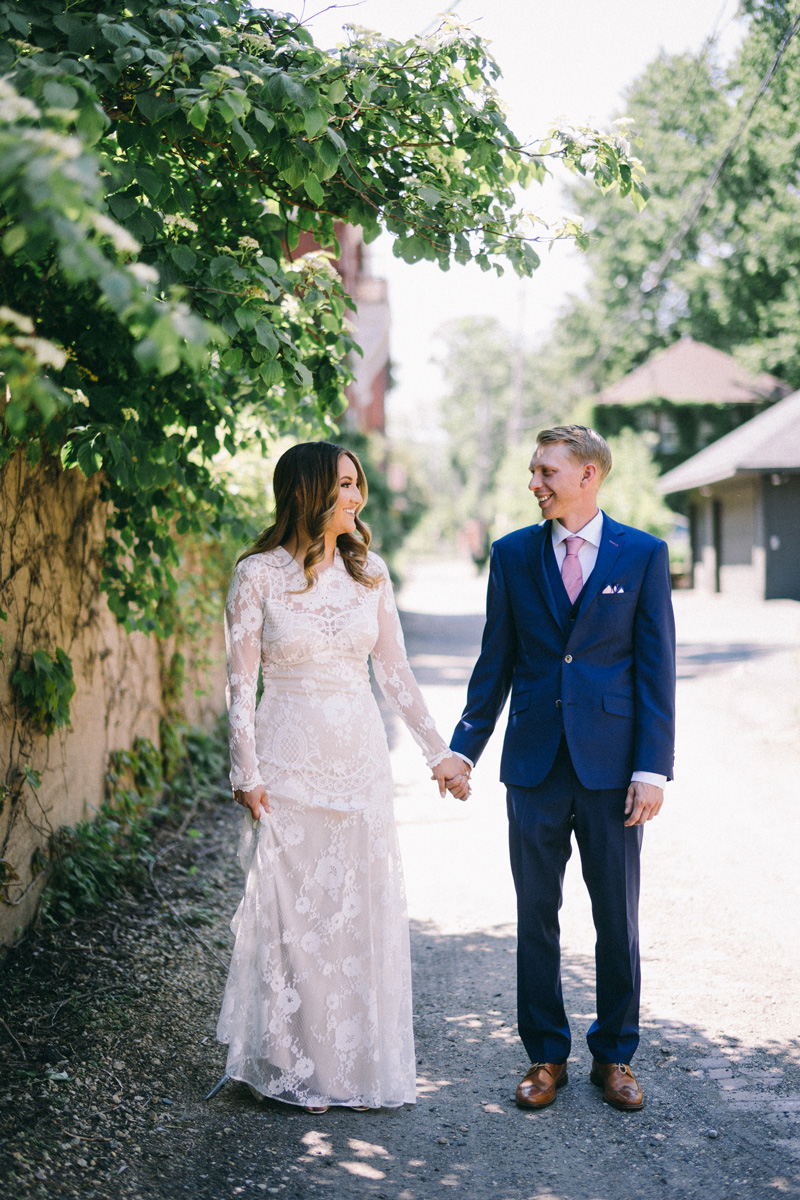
(541, 823)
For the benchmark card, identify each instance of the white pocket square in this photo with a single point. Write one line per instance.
(613, 589)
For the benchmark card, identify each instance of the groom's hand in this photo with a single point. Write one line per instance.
(452, 774)
(643, 802)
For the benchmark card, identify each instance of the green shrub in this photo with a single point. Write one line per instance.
(93, 860)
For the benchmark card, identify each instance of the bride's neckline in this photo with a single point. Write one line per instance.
(290, 559)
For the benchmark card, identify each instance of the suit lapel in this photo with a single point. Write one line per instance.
(607, 555)
(534, 550)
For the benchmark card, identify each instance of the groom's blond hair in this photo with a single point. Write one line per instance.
(583, 444)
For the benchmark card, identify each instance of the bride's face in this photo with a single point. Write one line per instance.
(349, 502)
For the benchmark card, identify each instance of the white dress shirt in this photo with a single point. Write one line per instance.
(587, 556)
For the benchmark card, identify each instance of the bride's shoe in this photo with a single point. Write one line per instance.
(309, 1108)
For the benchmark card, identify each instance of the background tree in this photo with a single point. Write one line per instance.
(158, 167)
(493, 401)
(732, 280)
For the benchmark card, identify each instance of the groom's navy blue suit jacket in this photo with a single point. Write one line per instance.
(602, 673)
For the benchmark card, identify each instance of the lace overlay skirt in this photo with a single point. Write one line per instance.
(317, 1007)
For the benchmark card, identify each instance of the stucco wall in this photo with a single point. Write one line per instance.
(51, 529)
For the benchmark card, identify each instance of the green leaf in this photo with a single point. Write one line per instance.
(241, 138)
(430, 195)
(315, 121)
(171, 19)
(337, 91)
(296, 172)
(220, 264)
(266, 336)
(123, 204)
(338, 141)
(184, 257)
(314, 189)
(89, 460)
(282, 84)
(151, 182)
(14, 239)
(640, 194)
(329, 155)
(303, 375)
(271, 372)
(245, 318)
(117, 35)
(60, 95)
(152, 107)
(91, 122)
(234, 103)
(198, 113)
(125, 56)
(264, 118)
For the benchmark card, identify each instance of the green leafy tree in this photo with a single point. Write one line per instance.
(727, 274)
(158, 166)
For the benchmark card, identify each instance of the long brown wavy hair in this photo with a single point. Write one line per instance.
(306, 489)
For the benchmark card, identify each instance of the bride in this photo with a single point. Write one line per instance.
(317, 1006)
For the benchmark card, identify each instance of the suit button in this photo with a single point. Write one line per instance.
(558, 704)
(567, 658)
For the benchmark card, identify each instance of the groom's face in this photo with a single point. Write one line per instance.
(558, 481)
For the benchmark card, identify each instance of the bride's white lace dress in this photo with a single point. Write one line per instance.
(317, 1007)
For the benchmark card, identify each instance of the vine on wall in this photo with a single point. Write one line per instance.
(43, 689)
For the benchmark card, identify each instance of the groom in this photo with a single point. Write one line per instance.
(579, 629)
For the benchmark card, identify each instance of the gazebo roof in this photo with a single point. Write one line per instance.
(768, 442)
(690, 372)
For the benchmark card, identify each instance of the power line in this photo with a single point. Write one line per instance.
(700, 60)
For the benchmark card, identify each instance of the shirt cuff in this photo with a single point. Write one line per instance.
(463, 757)
(658, 781)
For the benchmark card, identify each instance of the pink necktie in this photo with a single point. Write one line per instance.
(571, 573)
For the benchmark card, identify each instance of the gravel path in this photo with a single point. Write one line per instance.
(107, 1027)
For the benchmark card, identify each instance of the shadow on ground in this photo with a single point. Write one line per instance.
(109, 1050)
(694, 658)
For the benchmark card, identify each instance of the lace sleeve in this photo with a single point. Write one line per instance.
(244, 617)
(394, 675)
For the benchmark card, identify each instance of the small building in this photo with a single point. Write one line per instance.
(744, 507)
(687, 397)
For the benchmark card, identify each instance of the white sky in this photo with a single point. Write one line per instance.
(572, 58)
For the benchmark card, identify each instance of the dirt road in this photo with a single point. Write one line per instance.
(719, 1060)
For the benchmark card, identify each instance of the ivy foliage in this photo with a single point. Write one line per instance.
(149, 794)
(44, 688)
(159, 165)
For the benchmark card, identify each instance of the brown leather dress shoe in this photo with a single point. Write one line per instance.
(538, 1088)
(619, 1085)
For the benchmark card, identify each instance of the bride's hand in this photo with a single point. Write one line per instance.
(255, 800)
(452, 775)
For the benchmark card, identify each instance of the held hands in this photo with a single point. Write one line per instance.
(643, 802)
(255, 800)
(452, 775)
